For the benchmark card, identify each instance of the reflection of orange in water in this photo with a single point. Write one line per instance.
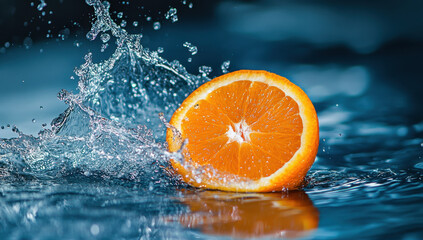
(290, 214)
(246, 124)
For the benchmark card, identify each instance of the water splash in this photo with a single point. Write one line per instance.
(111, 127)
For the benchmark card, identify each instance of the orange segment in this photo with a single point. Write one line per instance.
(262, 97)
(230, 99)
(249, 131)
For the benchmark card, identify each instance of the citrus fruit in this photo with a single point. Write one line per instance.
(246, 131)
(249, 215)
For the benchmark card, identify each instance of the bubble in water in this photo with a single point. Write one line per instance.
(337, 105)
(160, 50)
(421, 144)
(135, 24)
(190, 5)
(225, 66)
(120, 14)
(189, 59)
(191, 48)
(156, 25)
(171, 14)
(41, 107)
(123, 23)
(41, 5)
(2, 127)
(8, 125)
(33, 120)
(148, 19)
(7, 44)
(205, 70)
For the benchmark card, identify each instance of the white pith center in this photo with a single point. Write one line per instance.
(239, 132)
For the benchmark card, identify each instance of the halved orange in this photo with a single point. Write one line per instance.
(247, 131)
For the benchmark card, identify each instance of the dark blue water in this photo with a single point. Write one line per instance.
(99, 169)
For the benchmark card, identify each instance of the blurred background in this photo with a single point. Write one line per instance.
(366, 53)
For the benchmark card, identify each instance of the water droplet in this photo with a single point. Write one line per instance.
(2, 127)
(171, 14)
(135, 24)
(76, 44)
(205, 70)
(120, 14)
(196, 106)
(41, 5)
(41, 107)
(156, 25)
(225, 66)
(191, 48)
(33, 120)
(103, 47)
(8, 125)
(105, 37)
(90, 2)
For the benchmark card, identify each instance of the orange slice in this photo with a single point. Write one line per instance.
(247, 131)
(249, 215)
